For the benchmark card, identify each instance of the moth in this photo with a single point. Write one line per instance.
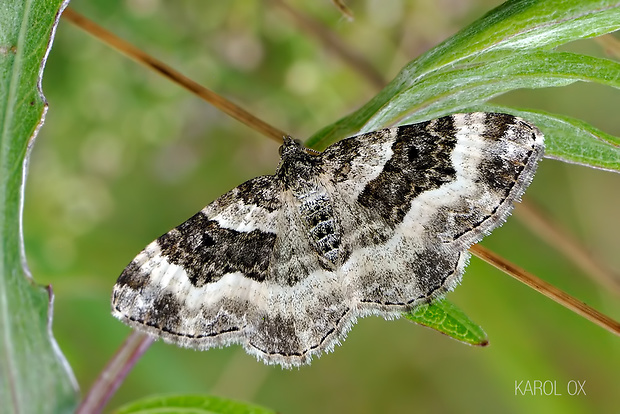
(376, 224)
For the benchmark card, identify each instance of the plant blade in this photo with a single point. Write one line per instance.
(191, 404)
(34, 376)
(516, 37)
(446, 318)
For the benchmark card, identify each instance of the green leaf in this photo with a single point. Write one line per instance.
(509, 48)
(34, 376)
(456, 88)
(446, 318)
(191, 404)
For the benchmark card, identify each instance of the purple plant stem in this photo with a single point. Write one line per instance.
(114, 373)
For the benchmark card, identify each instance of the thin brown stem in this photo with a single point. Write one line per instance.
(114, 373)
(334, 44)
(543, 226)
(346, 12)
(158, 66)
(546, 289)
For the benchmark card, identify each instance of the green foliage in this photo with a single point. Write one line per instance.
(445, 317)
(511, 47)
(191, 404)
(34, 376)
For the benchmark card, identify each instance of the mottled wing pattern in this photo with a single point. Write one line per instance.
(195, 286)
(378, 223)
(417, 196)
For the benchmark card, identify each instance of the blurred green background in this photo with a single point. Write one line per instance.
(125, 155)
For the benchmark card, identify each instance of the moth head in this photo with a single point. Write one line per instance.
(290, 145)
(295, 162)
(294, 144)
